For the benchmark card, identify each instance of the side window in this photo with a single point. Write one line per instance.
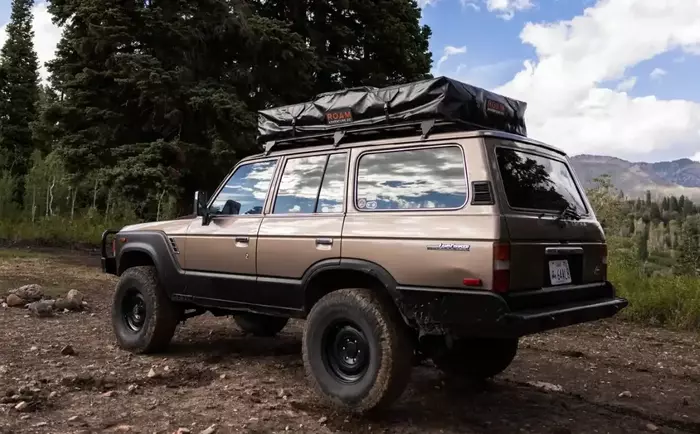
(312, 185)
(332, 193)
(246, 189)
(299, 185)
(429, 178)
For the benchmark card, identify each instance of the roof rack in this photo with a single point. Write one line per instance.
(424, 107)
(425, 127)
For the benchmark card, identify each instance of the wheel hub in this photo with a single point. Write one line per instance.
(346, 352)
(134, 310)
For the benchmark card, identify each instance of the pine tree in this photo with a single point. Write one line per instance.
(161, 96)
(359, 42)
(19, 91)
(689, 251)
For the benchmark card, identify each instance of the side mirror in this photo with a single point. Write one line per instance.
(200, 206)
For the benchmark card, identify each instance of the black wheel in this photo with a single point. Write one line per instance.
(143, 317)
(477, 358)
(260, 325)
(356, 348)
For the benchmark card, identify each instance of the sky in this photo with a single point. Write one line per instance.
(607, 77)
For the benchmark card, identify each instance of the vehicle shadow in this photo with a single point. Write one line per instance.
(431, 403)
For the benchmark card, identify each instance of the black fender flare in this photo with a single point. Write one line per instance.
(154, 244)
(369, 268)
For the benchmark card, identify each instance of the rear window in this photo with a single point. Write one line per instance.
(536, 182)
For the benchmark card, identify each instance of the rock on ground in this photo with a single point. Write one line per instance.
(76, 297)
(14, 300)
(31, 292)
(42, 309)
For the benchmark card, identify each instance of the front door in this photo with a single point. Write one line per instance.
(220, 260)
(303, 226)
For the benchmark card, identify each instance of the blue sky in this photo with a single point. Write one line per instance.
(613, 77)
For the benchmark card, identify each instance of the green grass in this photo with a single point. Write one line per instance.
(56, 231)
(658, 300)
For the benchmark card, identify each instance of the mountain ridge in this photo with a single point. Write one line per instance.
(634, 178)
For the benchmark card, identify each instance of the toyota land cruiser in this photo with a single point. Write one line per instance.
(410, 221)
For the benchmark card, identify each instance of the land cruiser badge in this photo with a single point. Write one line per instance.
(450, 246)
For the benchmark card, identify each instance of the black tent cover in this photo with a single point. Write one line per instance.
(439, 99)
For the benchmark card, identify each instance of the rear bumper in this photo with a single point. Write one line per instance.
(486, 314)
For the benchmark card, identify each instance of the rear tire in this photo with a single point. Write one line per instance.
(143, 317)
(356, 349)
(260, 325)
(477, 359)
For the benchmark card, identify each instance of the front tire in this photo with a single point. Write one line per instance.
(143, 317)
(356, 350)
(260, 325)
(477, 359)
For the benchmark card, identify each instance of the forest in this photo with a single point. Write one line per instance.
(151, 100)
(148, 101)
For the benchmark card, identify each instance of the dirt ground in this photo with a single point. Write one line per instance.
(608, 377)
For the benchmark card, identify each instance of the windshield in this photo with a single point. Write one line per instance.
(537, 182)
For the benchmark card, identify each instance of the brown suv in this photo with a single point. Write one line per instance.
(415, 221)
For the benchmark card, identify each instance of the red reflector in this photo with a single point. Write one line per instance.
(501, 267)
(471, 282)
(501, 280)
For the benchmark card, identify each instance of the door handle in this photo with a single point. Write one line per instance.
(324, 241)
(242, 239)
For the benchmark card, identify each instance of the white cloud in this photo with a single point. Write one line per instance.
(506, 9)
(696, 157)
(424, 3)
(470, 4)
(46, 36)
(627, 84)
(657, 73)
(568, 107)
(448, 52)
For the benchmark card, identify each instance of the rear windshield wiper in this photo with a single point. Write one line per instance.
(568, 212)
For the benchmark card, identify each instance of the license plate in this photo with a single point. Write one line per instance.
(559, 273)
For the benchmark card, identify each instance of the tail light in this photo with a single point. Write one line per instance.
(604, 253)
(114, 247)
(501, 267)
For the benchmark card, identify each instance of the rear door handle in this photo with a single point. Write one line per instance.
(324, 241)
(242, 240)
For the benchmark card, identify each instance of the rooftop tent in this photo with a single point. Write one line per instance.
(440, 101)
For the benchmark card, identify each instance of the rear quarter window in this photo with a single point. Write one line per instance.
(411, 179)
(537, 182)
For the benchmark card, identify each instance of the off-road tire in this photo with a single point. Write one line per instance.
(260, 325)
(477, 359)
(160, 318)
(390, 355)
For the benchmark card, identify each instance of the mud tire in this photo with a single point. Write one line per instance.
(376, 323)
(159, 315)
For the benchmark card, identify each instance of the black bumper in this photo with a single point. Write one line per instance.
(486, 314)
(109, 263)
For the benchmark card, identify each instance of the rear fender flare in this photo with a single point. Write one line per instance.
(368, 268)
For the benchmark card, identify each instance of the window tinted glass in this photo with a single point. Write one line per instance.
(412, 179)
(299, 185)
(536, 182)
(333, 189)
(245, 191)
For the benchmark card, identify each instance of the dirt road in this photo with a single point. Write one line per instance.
(604, 378)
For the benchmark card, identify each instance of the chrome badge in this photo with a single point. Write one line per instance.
(451, 247)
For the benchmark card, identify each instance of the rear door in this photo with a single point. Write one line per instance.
(555, 238)
(303, 226)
